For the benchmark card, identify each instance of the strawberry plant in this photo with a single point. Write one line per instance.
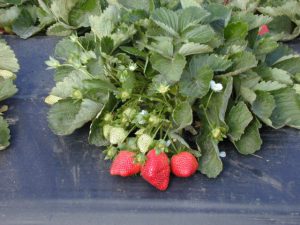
(158, 78)
(56, 17)
(64, 17)
(285, 24)
(8, 68)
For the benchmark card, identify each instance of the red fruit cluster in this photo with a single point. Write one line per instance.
(157, 168)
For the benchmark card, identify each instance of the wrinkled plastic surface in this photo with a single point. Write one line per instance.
(48, 179)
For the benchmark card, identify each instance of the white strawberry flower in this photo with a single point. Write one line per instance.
(124, 95)
(163, 88)
(168, 143)
(141, 117)
(144, 112)
(216, 87)
(222, 154)
(144, 142)
(132, 66)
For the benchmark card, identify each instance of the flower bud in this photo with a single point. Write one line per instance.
(77, 94)
(154, 120)
(52, 99)
(108, 117)
(52, 63)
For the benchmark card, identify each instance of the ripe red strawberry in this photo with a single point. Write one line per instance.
(156, 170)
(123, 164)
(184, 164)
(263, 30)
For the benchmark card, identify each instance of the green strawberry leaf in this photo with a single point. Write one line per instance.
(24, 25)
(8, 66)
(104, 24)
(268, 86)
(219, 14)
(195, 83)
(67, 115)
(7, 88)
(62, 8)
(8, 60)
(280, 53)
(62, 72)
(210, 163)
(199, 34)
(253, 21)
(265, 46)
(191, 16)
(182, 115)
(217, 108)
(189, 3)
(242, 62)
(171, 68)
(291, 65)
(263, 106)
(287, 110)
(137, 4)
(8, 15)
(79, 14)
(4, 134)
(194, 48)
(98, 84)
(58, 29)
(96, 136)
(236, 31)
(167, 20)
(250, 141)
(215, 62)
(69, 84)
(66, 49)
(237, 120)
(274, 74)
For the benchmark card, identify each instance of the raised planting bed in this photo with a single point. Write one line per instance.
(49, 179)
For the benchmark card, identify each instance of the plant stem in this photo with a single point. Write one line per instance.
(208, 101)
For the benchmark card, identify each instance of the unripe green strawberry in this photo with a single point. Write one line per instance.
(129, 113)
(117, 135)
(154, 120)
(144, 142)
(106, 130)
(108, 117)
